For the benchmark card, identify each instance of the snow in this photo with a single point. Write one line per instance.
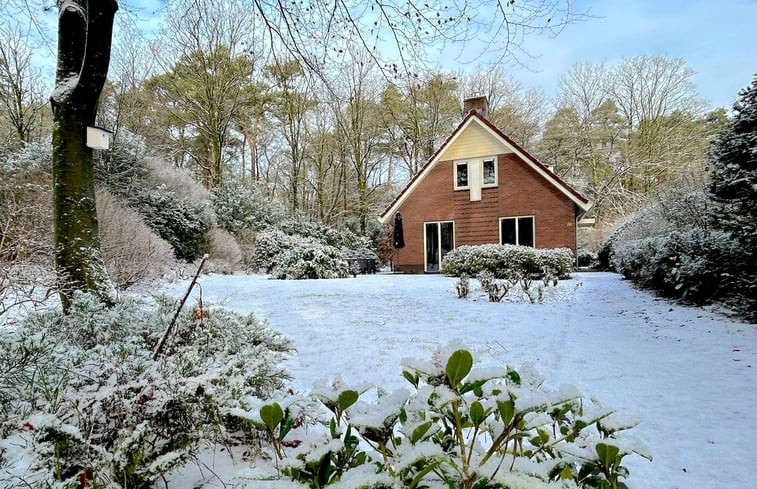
(688, 374)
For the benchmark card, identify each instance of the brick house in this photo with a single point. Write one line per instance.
(481, 187)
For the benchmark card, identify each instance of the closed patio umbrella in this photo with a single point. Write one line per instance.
(399, 235)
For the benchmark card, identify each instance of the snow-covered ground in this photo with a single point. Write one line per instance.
(689, 374)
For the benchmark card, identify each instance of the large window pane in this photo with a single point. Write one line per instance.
(490, 172)
(462, 174)
(447, 238)
(526, 231)
(508, 231)
(432, 247)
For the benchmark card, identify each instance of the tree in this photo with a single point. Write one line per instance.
(84, 38)
(20, 89)
(734, 186)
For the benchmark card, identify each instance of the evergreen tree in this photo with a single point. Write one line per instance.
(734, 187)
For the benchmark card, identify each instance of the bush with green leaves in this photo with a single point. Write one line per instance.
(311, 260)
(88, 404)
(342, 238)
(507, 261)
(691, 265)
(183, 225)
(243, 204)
(457, 427)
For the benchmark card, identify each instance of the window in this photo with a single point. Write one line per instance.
(461, 175)
(440, 240)
(475, 173)
(490, 172)
(517, 230)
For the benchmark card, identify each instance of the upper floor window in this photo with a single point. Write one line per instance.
(475, 173)
(461, 175)
(490, 172)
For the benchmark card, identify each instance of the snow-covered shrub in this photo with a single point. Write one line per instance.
(121, 168)
(692, 265)
(507, 261)
(496, 289)
(342, 238)
(225, 253)
(244, 204)
(587, 259)
(270, 245)
(463, 286)
(185, 226)
(311, 260)
(457, 427)
(88, 406)
(33, 158)
(132, 251)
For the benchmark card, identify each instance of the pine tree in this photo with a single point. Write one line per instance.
(734, 187)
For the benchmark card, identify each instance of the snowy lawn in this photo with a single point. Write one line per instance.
(689, 374)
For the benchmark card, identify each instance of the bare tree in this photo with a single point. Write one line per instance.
(21, 90)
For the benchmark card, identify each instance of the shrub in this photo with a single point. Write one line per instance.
(87, 406)
(224, 252)
(341, 238)
(309, 260)
(132, 251)
(692, 265)
(243, 204)
(463, 286)
(459, 427)
(270, 245)
(182, 224)
(507, 261)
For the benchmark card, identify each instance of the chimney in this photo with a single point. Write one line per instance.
(480, 104)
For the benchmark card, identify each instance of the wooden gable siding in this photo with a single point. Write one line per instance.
(520, 192)
(475, 142)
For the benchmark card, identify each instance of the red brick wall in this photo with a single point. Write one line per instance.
(521, 192)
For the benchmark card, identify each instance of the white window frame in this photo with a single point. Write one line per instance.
(517, 229)
(494, 161)
(439, 236)
(454, 174)
(475, 164)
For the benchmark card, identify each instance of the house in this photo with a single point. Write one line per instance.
(481, 187)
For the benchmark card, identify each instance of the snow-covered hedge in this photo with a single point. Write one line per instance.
(85, 405)
(691, 265)
(311, 260)
(507, 260)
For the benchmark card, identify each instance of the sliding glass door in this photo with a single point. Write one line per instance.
(440, 240)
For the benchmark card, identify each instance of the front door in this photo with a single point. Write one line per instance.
(440, 240)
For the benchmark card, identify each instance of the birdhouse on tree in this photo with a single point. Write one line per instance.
(98, 137)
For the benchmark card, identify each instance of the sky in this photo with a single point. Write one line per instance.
(715, 38)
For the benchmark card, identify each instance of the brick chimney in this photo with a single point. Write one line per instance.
(480, 104)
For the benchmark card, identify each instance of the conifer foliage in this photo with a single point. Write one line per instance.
(733, 160)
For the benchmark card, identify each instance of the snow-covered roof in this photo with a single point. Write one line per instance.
(474, 117)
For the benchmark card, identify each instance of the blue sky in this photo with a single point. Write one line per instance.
(718, 39)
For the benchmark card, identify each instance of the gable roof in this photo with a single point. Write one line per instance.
(474, 117)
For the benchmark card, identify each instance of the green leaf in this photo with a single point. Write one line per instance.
(347, 399)
(271, 414)
(566, 473)
(413, 379)
(477, 413)
(608, 454)
(514, 376)
(543, 435)
(506, 410)
(419, 431)
(458, 366)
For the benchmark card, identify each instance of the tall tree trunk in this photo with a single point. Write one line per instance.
(84, 39)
